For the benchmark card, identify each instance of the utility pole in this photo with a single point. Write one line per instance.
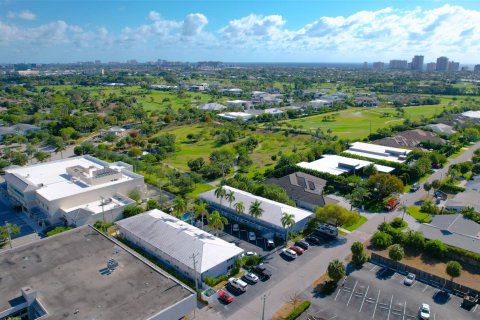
(194, 258)
(263, 310)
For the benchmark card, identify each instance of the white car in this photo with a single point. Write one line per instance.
(238, 284)
(252, 236)
(251, 277)
(424, 311)
(289, 253)
(409, 279)
(235, 227)
(249, 254)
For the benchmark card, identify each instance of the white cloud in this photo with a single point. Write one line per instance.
(193, 24)
(27, 15)
(254, 26)
(154, 16)
(11, 15)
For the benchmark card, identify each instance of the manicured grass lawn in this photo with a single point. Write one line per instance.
(355, 225)
(420, 216)
(200, 188)
(458, 153)
(355, 123)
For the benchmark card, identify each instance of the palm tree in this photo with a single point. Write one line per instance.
(60, 148)
(220, 193)
(256, 210)
(230, 196)
(179, 206)
(217, 222)
(201, 211)
(239, 207)
(288, 221)
(403, 208)
(358, 195)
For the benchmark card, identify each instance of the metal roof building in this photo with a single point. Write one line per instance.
(175, 243)
(373, 151)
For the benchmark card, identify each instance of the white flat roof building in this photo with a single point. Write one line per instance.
(54, 189)
(236, 116)
(175, 242)
(269, 221)
(472, 114)
(337, 165)
(374, 151)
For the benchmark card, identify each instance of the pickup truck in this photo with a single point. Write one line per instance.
(238, 284)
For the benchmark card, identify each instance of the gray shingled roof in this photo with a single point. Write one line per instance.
(454, 230)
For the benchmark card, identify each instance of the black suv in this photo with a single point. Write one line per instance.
(313, 240)
(262, 272)
(302, 244)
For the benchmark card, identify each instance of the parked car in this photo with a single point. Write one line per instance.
(289, 253)
(298, 250)
(270, 244)
(391, 204)
(327, 230)
(313, 240)
(250, 276)
(225, 296)
(262, 272)
(235, 227)
(414, 187)
(249, 254)
(424, 312)
(302, 244)
(409, 279)
(238, 284)
(252, 236)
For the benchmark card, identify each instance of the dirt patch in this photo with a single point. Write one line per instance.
(284, 311)
(470, 277)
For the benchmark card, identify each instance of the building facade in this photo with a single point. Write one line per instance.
(73, 191)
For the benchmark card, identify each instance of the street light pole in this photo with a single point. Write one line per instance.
(263, 309)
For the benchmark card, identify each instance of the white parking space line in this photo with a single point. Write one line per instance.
(426, 287)
(366, 292)
(434, 316)
(414, 283)
(351, 294)
(404, 309)
(403, 279)
(376, 303)
(390, 308)
(475, 309)
(374, 268)
(338, 292)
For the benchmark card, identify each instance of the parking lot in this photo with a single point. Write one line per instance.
(279, 265)
(375, 292)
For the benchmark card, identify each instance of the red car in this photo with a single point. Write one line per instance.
(225, 296)
(298, 250)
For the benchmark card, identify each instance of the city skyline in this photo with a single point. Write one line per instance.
(260, 31)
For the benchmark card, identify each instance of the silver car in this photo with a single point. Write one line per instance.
(409, 279)
(251, 277)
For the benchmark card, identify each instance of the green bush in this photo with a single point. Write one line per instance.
(298, 310)
(398, 223)
(436, 249)
(415, 240)
(451, 188)
(58, 230)
(382, 240)
(211, 281)
(251, 261)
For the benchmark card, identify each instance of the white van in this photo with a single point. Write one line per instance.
(238, 284)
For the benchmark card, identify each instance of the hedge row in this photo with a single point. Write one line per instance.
(298, 310)
(448, 187)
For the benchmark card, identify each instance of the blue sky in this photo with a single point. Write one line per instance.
(241, 30)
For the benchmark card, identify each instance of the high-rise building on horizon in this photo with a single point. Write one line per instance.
(417, 63)
(476, 69)
(453, 66)
(431, 66)
(398, 64)
(442, 64)
(378, 65)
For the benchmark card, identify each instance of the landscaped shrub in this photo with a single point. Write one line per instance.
(451, 188)
(398, 223)
(382, 240)
(436, 248)
(298, 310)
(415, 240)
(211, 281)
